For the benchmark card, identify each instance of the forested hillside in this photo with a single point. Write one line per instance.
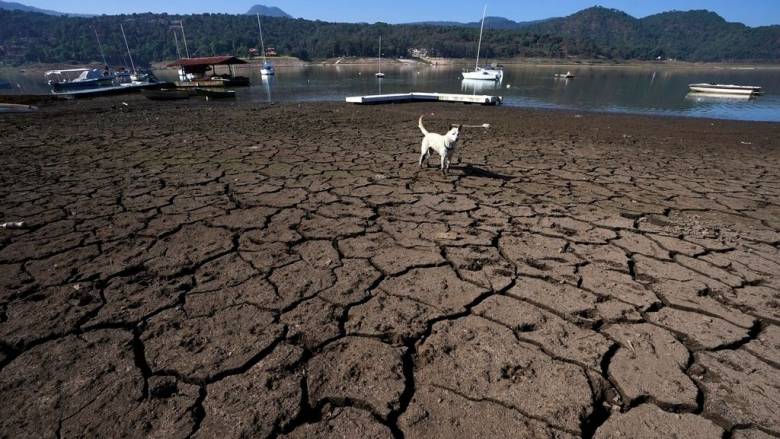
(27, 37)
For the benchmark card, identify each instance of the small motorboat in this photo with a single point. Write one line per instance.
(166, 94)
(211, 93)
(729, 89)
(567, 75)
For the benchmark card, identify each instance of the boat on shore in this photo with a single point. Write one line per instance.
(117, 89)
(17, 108)
(215, 94)
(483, 73)
(166, 94)
(726, 89)
(66, 80)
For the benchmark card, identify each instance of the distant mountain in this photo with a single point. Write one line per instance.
(13, 6)
(268, 11)
(490, 23)
(697, 35)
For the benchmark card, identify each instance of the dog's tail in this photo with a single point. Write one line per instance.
(422, 128)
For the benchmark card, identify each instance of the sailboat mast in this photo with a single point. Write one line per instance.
(176, 39)
(481, 27)
(132, 64)
(184, 37)
(100, 46)
(380, 53)
(262, 45)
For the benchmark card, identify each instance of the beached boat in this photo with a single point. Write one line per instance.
(78, 79)
(17, 108)
(379, 73)
(166, 94)
(482, 73)
(726, 89)
(215, 94)
(118, 89)
(267, 69)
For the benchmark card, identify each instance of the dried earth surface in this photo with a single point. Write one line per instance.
(209, 270)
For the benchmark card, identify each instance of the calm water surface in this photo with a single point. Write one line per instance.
(642, 90)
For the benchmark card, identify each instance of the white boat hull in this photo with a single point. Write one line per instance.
(267, 72)
(725, 89)
(484, 75)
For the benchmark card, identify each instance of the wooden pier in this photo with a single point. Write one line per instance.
(425, 97)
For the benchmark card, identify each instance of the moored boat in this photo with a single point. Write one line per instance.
(482, 73)
(199, 72)
(379, 73)
(267, 69)
(726, 89)
(567, 75)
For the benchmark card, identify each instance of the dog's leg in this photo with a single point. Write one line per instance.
(424, 151)
(443, 161)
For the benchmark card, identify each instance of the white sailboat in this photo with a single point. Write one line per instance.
(379, 73)
(268, 68)
(482, 73)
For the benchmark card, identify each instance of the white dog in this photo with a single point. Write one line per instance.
(444, 145)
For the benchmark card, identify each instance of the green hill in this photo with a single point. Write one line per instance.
(27, 37)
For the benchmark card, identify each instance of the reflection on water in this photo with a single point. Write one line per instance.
(646, 90)
(268, 84)
(477, 86)
(718, 97)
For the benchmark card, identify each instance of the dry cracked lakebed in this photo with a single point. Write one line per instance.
(288, 271)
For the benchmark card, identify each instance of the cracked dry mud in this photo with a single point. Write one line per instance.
(288, 271)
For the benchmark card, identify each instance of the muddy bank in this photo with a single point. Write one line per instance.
(287, 270)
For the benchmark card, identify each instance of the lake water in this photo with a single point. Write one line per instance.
(642, 90)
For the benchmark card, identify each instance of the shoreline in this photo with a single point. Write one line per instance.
(291, 62)
(48, 102)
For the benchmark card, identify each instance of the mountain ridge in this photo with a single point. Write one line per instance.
(14, 6)
(268, 11)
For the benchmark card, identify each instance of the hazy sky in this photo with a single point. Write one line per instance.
(750, 12)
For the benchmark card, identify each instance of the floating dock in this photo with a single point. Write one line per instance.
(425, 97)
